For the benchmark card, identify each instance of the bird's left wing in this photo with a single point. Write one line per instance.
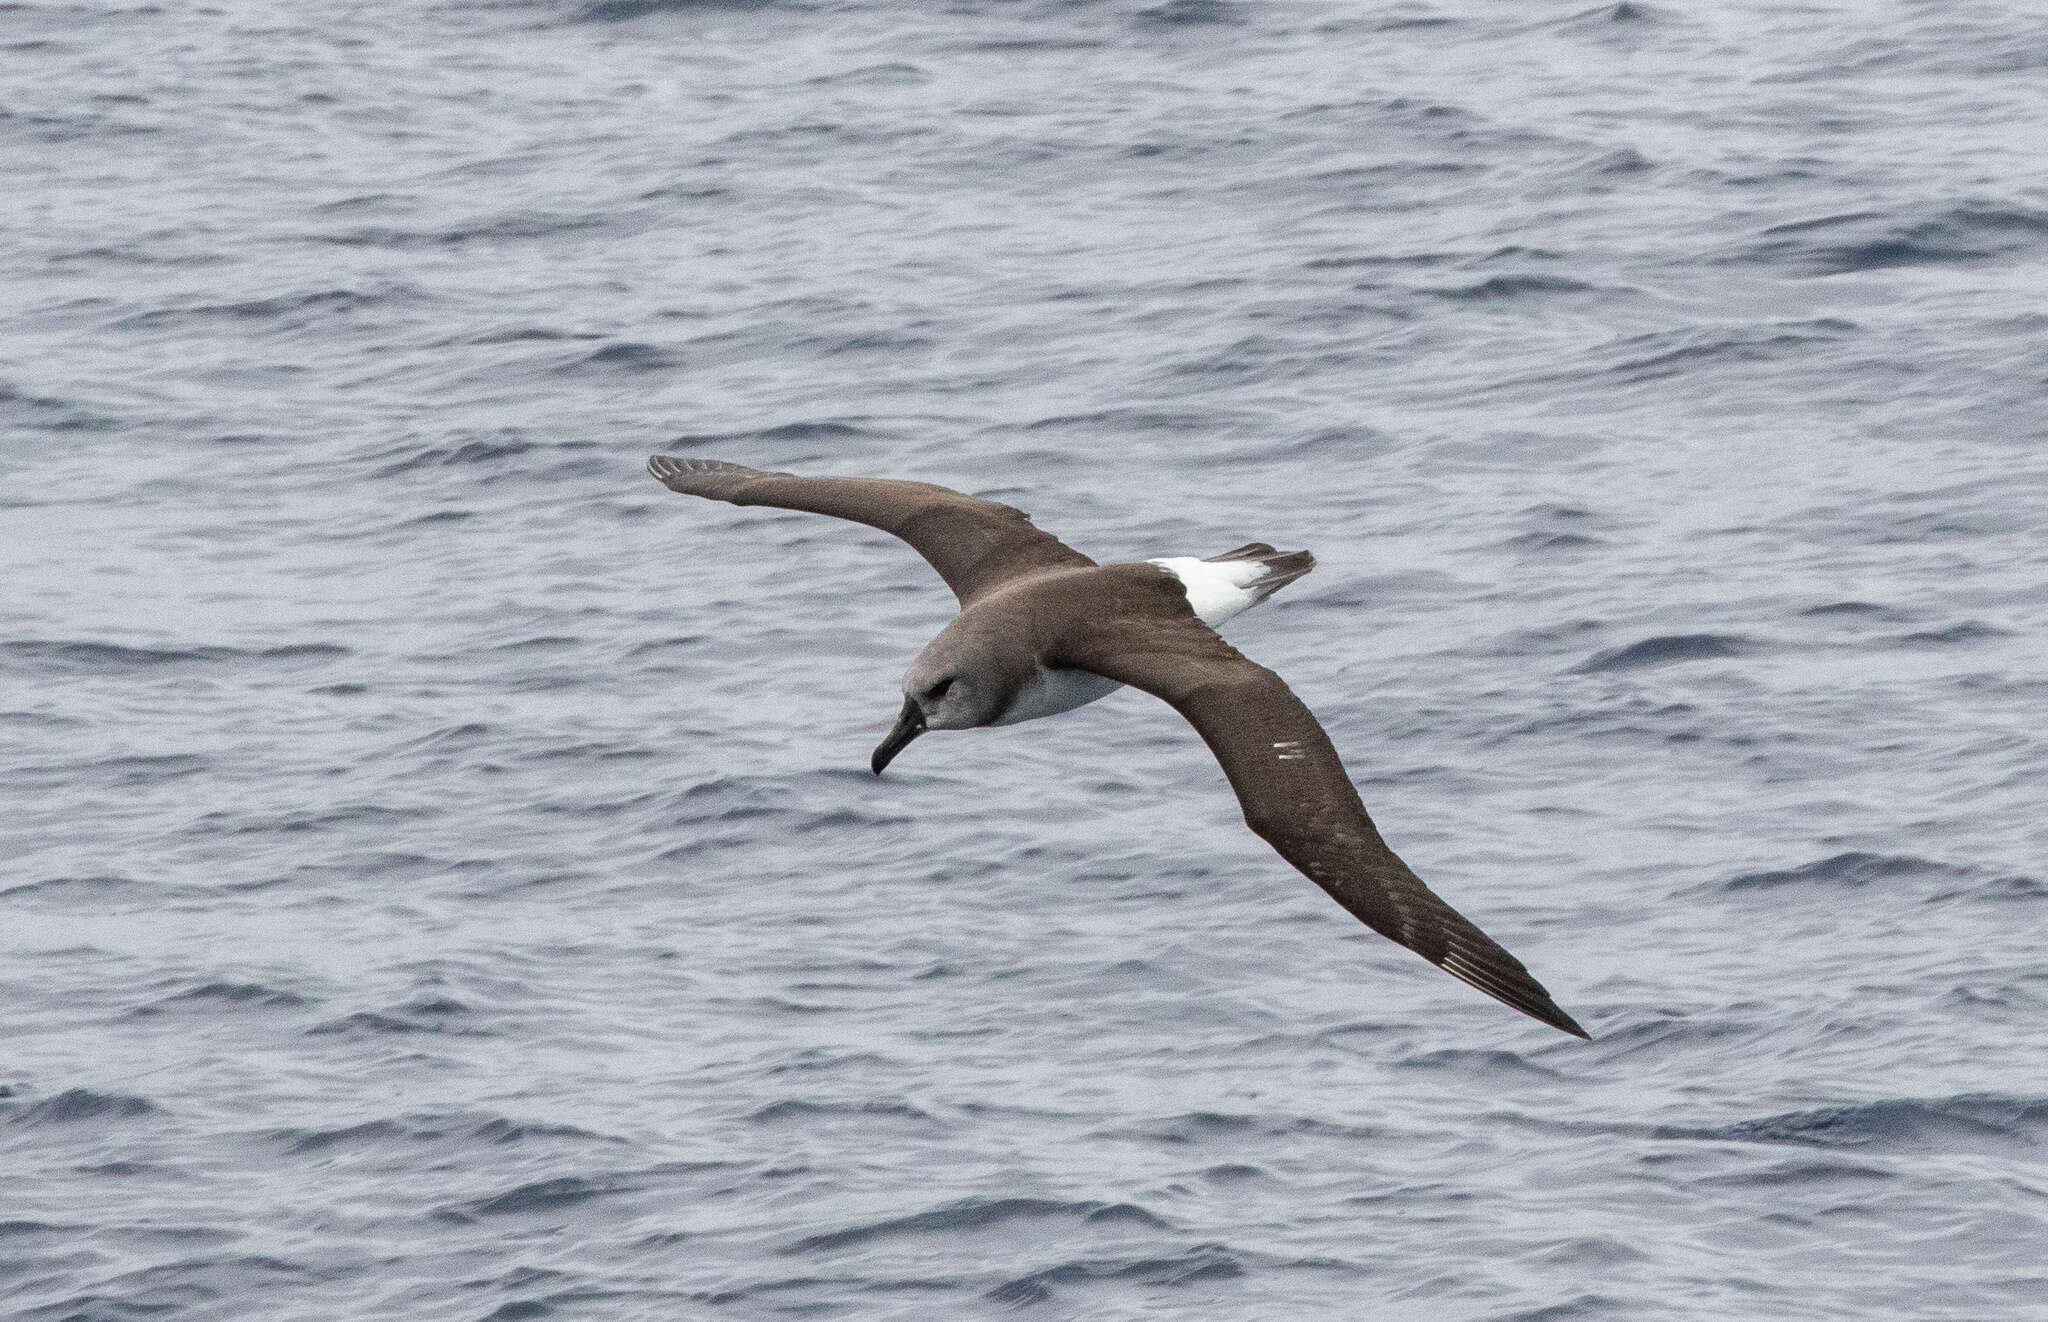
(1291, 783)
(975, 544)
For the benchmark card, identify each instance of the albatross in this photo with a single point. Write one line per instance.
(1043, 629)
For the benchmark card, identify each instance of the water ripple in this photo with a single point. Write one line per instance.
(440, 875)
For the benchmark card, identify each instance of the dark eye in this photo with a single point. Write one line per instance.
(938, 690)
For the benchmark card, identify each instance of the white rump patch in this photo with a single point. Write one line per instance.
(1216, 590)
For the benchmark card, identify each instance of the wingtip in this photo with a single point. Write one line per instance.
(1505, 979)
(1568, 1024)
(1541, 1008)
(713, 478)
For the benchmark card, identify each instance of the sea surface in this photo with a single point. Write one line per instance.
(439, 873)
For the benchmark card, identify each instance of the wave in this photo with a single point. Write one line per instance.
(1981, 1122)
(1467, 1060)
(122, 772)
(435, 1014)
(782, 432)
(1624, 12)
(287, 309)
(20, 1228)
(625, 11)
(626, 356)
(1198, 1127)
(979, 1214)
(84, 656)
(1876, 240)
(1580, 1308)
(801, 1110)
(103, 888)
(785, 799)
(192, 1283)
(46, 413)
(1964, 633)
(249, 995)
(1800, 1175)
(516, 227)
(1666, 649)
(1854, 868)
(550, 1195)
(1663, 354)
(495, 450)
(1204, 1262)
(1502, 288)
(411, 1130)
(1859, 609)
(77, 1105)
(1191, 13)
(1546, 543)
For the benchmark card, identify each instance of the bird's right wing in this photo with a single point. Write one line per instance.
(974, 544)
(1294, 790)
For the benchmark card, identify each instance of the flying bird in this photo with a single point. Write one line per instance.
(1043, 629)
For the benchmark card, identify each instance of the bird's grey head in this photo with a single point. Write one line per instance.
(960, 681)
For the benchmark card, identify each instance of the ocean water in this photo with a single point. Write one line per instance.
(439, 874)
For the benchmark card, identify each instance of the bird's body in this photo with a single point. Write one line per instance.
(1219, 589)
(1043, 629)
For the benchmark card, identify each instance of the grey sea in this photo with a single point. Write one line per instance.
(439, 873)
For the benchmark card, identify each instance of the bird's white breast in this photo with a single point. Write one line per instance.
(1051, 692)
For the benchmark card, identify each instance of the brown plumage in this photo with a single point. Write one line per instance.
(1035, 612)
(974, 544)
